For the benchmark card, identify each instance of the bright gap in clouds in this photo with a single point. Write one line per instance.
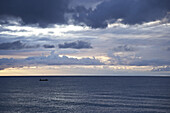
(55, 30)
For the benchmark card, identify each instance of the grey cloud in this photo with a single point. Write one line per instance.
(130, 11)
(123, 48)
(167, 68)
(86, 3)
(156, 62)
(43, 12)
(168, 49)
(134, 60)
(120, 60)
(94, 13)
(76, 45)
(10, 63)
(10, 20)
(18, 45)
(52, 59)
(15, 46)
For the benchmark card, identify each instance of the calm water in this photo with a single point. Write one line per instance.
(85, 95)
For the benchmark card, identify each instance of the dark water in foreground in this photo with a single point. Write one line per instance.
(85, 95)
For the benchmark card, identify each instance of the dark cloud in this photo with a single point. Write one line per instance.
(168, 49)
(52, 59)
(130, 11)
(15, 46)
(124, 48)
(43, 12)
(96, 13)
(156, 62)
(76, 45)
(48, 46)
(12, 45)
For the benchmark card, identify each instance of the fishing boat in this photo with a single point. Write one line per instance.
(43, 79)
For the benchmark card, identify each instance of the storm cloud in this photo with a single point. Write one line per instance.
(129, 11)
(43, 12)
(76, 45)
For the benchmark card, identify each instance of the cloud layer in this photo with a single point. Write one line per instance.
(76, 45)
(129, 11)
(167, 68)
(52, 59)
(130, 33)
(45, 12)
(16, 45)
(123, 48)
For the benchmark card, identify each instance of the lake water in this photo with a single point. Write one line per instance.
(85, 95)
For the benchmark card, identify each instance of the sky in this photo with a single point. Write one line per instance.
(84, 37)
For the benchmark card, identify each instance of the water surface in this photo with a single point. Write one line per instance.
(85, 95)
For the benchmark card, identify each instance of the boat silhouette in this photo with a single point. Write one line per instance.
(43, 79)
